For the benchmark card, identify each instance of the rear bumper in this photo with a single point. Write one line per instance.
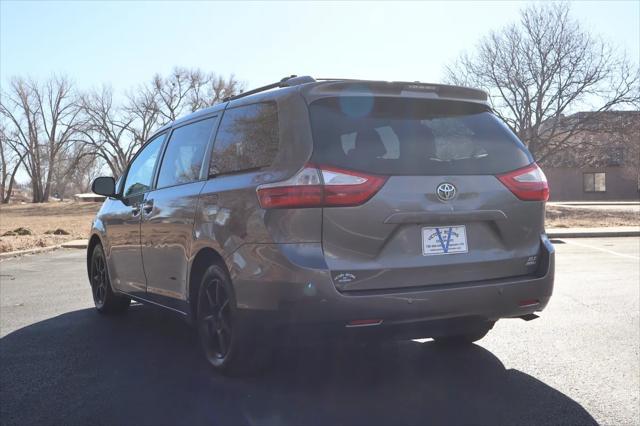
(286, 285)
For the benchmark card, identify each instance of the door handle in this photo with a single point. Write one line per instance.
(135, 210)
(147, 207)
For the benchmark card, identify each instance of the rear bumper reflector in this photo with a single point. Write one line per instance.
(528, 303)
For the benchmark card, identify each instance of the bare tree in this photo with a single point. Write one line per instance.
(117, 132)
(188, 90)
(10, 162)
(56, 134)
(75, 171)
(215, 90)
(20, 108)
(172, 93)
(44, 119)
(543, 68)
(107, 130)
(59, 110)
(143, 108)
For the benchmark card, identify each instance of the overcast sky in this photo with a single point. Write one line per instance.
(124, 43)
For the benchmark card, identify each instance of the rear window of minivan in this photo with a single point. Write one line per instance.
(404, 136)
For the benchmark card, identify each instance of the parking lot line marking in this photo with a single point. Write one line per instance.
(603, 249)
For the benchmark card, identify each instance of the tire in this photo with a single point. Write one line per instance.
(465, 338)
(230, 345)
(104, 298)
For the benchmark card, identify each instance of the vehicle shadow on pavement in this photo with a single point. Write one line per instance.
(144, 368)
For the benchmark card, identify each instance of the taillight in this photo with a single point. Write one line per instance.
(320, 186)
(528, 183)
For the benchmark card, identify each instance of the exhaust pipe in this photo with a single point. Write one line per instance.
(528, 317)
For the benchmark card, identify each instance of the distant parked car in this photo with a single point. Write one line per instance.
(337, 208)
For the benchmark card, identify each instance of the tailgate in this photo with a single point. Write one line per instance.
(379, 245)
(476, 228)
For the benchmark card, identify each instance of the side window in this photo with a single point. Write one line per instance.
(182, 160)
(141, 169)
(247, 139)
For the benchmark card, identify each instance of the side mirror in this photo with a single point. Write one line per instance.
(104, 186)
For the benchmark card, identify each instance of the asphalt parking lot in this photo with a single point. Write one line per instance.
(62, 363)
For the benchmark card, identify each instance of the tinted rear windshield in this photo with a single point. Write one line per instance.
(400, 136)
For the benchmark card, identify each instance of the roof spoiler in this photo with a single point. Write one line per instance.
(399, 87)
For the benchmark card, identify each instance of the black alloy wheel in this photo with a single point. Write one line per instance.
(214, 320)
(99, 279)
(104, 298)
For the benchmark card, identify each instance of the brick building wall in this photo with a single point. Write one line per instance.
(603, 161)
(567, 184)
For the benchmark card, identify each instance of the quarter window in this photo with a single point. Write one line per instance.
(594, 182)
(182, 161)
(141, 169)
(247, 139)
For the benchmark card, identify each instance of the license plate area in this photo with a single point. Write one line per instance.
(444, 240)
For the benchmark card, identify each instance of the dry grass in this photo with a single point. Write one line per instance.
(581, 217)
(71, 216)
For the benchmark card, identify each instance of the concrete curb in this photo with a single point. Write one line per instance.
(28, 251)
(76, 244)
(575, 233)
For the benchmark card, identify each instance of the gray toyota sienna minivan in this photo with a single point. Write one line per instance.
(333, 208)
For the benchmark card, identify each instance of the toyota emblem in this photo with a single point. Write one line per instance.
(446, 191)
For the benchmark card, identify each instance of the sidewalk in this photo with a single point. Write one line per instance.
(593, 203)
(610, 231)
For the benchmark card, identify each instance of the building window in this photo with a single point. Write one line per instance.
(594, 182)
(615, 156)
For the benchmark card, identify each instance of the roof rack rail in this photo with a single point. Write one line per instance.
(292, 80)
(339, 79)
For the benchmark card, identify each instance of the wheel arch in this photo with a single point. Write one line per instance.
(206, 256)
(93, 242)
